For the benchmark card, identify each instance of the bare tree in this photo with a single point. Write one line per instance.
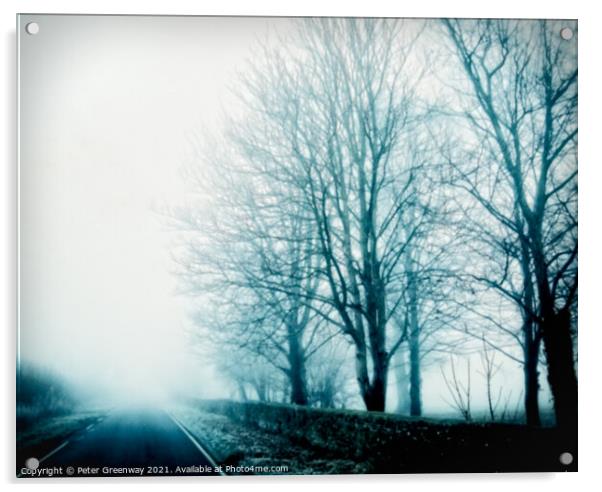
(458, 390)
(522, 86)
(254, 378)
(251, 259)
(489, 368)
(322, 223)
(402, 380)
(330, 375)
(331, 119)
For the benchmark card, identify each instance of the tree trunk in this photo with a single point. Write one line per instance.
(262, 391)
(555, 326)
(297, 373)
(242, 392)
(373, 390)
(531, 336)
(380, 356)
(298, 386)
(415, 376)
(402, 379)
(531, 383)
(558, 346)
(375, 398)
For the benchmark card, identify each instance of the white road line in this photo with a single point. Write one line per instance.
(195, 442)
(177, 422)
(55, 450)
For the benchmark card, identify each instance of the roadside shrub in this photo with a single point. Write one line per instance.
(41, 393)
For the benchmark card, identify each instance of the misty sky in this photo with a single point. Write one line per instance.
(108, 108)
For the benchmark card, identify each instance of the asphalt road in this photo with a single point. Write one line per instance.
(132, 442)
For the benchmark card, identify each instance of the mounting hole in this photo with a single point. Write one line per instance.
(566, 33)
(566, 458)
(32, 463)
(32, 28)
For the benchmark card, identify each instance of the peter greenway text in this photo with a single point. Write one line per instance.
(59, 471)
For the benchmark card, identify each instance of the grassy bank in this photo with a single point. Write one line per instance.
(342, 441)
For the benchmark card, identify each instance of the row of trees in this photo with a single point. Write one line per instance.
(369, 197)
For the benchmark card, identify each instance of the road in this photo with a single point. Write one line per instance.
(132, 442)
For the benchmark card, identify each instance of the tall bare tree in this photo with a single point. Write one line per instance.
(249, 255)
(333, 117)
(521, 94)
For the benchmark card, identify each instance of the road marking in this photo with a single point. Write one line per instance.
(195, 442)
(174, 419)
(55, 450)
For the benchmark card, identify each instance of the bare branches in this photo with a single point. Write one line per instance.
(489, 368)
(343, 206)
(458, 390)
(523, 78)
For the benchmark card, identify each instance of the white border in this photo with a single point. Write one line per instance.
(590, 180)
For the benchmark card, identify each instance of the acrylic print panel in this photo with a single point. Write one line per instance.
(296, 246)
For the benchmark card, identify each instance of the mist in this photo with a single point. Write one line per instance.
(296, 245)
(113, 110)
(108, 107)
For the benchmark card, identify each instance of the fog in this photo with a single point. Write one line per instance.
(110, 108)
(107, 109)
